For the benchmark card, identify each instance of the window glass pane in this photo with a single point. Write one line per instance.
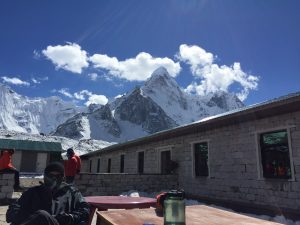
(165, 161)
(274, 138)
(98, 166)
(108, 165)
(141, 162)
(275, 155)
(201, 159)
(122, 164)
(91, 166)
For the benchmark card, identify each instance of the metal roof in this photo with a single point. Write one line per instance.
(27, 145)
(285, 104)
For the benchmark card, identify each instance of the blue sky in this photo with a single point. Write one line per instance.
(91, 51)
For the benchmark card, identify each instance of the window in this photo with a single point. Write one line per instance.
(109, 165)
(141, 162)
(122, 163)
(201, 159)
(275, 157)
(98, 165)
(91, 162)
(165, 162)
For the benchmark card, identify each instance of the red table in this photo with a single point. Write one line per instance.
(104, 203)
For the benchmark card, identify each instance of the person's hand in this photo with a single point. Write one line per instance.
(64, 219)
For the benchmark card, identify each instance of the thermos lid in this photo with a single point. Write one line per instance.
(176, 194)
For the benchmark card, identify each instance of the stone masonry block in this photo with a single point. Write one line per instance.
(7, 189)
(8, 176)
(3, 182)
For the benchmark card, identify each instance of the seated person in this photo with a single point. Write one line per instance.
(51, 203)
(6, 166)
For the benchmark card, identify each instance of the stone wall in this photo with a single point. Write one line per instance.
(115, 184)
(235, 173)
(234, 162)
(6, 187)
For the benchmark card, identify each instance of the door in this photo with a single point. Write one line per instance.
(165, 161)
(28, 161)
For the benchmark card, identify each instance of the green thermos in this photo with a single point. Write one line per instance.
(174, 208)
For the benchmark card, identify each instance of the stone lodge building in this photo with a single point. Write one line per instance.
(32, 156)
(247, 157)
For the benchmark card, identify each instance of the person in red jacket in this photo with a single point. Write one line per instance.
(6, 166)
(72, 166)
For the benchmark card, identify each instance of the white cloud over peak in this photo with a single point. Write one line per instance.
(83, 95)
(15, 81)
(209, 76)
(96, 99)
(65, 92)
(139, 68)
(68, 57)
(194, 56)
(92, 98)
(212, 76)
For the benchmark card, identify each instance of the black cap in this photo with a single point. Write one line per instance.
(54, 166)
(70, 151)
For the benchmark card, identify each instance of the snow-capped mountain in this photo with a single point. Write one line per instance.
(80, 146)
(33, 115)
(182, 107)
(159, 104)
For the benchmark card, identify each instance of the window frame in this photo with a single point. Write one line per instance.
(193, 158)
(259, 156)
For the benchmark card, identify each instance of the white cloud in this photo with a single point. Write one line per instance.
(97, 99)
(82, 94)
(36, 54)
(35, 81)
(139, 68)
(68, 57)
(195, 56)
(92, 98)
(44, 78)
(15, 81)
(93, 76)
(65, 92)
(212, 76)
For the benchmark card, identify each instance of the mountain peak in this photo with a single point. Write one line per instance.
(6, 88)
(160, 71)
(160, 78)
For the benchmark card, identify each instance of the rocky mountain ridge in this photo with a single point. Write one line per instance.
(158, 105)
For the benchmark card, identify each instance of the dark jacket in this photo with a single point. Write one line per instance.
(66, 199)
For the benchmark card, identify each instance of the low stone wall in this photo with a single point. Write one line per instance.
(6, 187)
(114, 184)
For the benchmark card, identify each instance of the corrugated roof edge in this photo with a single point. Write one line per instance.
(220, 119)
(30, 145)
